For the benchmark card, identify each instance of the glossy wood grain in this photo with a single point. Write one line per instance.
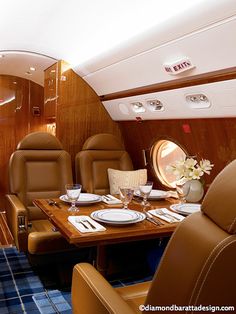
(213, 139)
(16, 120)
(6, 239)
(80, 112)
(205, 78)
(113, 234)
(50, 91)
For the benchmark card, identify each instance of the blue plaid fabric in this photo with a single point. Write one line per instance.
(22, 292)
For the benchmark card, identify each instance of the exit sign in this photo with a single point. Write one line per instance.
(179, 66)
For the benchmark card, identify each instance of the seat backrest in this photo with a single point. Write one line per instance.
(198, 266)
(100, 152)
(39, 168)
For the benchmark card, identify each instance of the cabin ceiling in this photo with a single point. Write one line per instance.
(116, 45)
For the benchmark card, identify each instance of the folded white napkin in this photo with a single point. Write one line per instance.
(111, 200)
(85, 223)
(166, 214)
(172, 194)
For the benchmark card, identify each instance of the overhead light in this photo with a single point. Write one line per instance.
(137, 107)
(32, 69)
(123, 108)
(155, 105)
(198, 101)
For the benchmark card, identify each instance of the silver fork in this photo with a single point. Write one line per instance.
(172, 219)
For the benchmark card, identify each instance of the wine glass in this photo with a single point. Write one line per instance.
(126, 195)
(182, 190)
(73, 193)
(145, 190)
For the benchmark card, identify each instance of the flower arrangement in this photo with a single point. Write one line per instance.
(190, 169)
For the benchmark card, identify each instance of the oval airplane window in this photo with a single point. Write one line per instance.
(163, 153)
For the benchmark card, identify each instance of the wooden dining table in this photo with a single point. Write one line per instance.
(144, 230)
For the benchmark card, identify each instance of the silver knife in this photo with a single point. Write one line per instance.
(153, 221)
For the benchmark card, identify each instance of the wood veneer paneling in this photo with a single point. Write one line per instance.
(80, 112)
(16, 120)
(213, 139)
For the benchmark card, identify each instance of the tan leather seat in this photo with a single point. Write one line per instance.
(197, 268)
(39, 168)
(100, 152)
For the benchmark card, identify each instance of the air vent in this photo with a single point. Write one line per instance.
(198, 101)
(155, 105)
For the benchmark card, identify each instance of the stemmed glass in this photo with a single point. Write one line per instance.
(145, 190)
(182, 190)
(126, 195)
(73, 193)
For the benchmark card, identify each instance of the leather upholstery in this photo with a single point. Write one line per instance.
(39, 168)
(100, 152)
(197, 267)
(222, 212)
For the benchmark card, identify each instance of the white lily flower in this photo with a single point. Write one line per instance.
(189, 169)
(206, 166)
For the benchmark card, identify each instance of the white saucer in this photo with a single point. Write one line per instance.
(117, 216)
(155, 194)
(186, 208)
(84, 199)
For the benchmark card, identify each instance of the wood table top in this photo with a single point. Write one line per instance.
(113, 234)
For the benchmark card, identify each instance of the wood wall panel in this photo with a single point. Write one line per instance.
(213, 139)
(16, 120)
(80, 112)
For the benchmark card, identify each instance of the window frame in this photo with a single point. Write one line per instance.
(154, 154)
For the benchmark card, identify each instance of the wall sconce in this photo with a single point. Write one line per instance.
(51, 128)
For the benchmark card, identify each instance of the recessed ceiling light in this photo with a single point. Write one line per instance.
(138, 106)
(32, 69)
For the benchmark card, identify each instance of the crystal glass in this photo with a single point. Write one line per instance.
(182, 190)
(145, 190)
(73, 193)
(126, 195)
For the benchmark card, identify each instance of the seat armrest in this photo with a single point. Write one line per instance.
(91, 293)
(17, 220)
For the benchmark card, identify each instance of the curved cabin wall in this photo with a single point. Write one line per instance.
(213, 139)
(79, 112)
(18, 117)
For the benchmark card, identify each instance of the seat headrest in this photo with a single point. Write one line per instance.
(39, 141)
(103, 141)
(219, 203)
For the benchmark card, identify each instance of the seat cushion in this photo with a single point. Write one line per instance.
(119, 178)
(43, 239)
(134, 295)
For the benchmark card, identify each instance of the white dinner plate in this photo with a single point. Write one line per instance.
(117, 216)
(155, 194)
(84, 199)
(186, 208)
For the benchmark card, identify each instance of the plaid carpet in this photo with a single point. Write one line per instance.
(22, 292)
